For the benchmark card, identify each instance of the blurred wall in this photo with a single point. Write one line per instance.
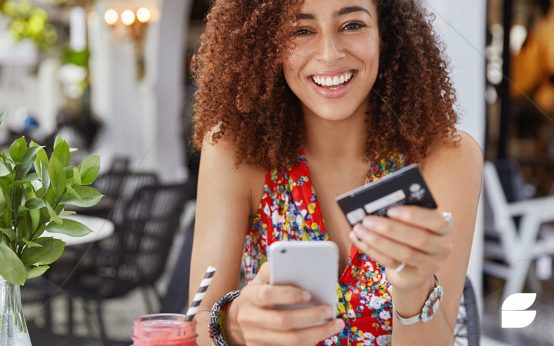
(462, 26)
(142, 118)
(22, 89)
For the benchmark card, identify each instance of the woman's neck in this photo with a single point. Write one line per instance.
(335, 141)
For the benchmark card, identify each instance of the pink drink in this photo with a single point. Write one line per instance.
(164, 330)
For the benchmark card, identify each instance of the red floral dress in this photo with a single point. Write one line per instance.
(289, 210)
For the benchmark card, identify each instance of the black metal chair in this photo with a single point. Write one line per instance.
(175, 299)
(468, 325)
(117, 187)
(120, 186)
(135, 256)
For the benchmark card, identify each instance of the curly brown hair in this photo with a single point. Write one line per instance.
(243, 97)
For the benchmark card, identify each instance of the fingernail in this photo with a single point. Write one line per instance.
(306, 296)
(359, 232)
(394, 212)
(354, 237)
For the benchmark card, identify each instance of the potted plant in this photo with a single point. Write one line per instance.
(34, 190)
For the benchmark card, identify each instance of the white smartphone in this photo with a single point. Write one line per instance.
(310, 265)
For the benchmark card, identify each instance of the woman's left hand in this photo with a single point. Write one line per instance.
(411, 235)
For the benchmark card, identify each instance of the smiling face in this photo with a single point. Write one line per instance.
(335, 58)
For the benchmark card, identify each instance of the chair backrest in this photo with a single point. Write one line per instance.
(110, 183)
(493, 190)
(120, 164)
(130, 184)
(511, 178)
(494, 194)
(151, 219)
(498, 219)
(468, 324)
(176, 296)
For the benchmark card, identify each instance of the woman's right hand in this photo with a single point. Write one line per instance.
(251, 320)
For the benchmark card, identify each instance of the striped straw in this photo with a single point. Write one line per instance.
(191, 312)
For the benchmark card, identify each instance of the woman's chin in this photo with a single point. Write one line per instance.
(333, 113)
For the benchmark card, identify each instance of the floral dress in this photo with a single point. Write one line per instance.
(289, 210)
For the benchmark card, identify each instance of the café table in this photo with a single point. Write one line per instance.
(101, 229)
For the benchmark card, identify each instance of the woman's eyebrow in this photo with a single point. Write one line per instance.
(343, 11)
(351, 9)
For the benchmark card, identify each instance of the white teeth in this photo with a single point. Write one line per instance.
(332, 81)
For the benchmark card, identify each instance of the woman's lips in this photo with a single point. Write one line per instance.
(333, 92)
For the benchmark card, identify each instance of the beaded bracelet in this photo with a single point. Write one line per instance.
(216, 318)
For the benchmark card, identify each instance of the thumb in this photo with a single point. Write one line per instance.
(263, 275)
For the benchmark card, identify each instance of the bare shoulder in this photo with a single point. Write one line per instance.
(218, 165)
(448, 162)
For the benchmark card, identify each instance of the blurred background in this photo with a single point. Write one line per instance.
(112, 78)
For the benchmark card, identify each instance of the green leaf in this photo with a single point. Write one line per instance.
(27, 179)
(16, 201)
(17, 149)
(8, 232)
(50, 196)
(89, 169)
(53, 215)
(68, 175)
(4, 170)
(69, 227)
(76, 176)
(61, 151)
(35, 203)
(22, 226)
(45, 178)
(82, 196)
(31, 244)
(26, 162)
(57, 141)
(12, 269)
(33, 272)
(34, 214)
(41, 157)
(49, 252)
(57, 176)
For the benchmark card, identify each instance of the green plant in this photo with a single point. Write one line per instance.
(32, 202)
(28, 21)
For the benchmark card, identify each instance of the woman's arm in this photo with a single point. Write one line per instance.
(422, 240)
(222, 212)
(454, 176)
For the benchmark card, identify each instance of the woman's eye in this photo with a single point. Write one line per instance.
(353, 26)
(302, 32)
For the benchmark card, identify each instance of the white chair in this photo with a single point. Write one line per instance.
(519, 244)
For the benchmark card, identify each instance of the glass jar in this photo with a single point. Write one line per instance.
(13, 329)
(164, 330)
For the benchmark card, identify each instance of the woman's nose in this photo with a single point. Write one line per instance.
(329, 49)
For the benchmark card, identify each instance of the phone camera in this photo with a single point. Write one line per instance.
(283, 250)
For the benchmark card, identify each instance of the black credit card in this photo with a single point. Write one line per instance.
(403, 187)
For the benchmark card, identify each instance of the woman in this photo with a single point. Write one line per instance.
(298, 102)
